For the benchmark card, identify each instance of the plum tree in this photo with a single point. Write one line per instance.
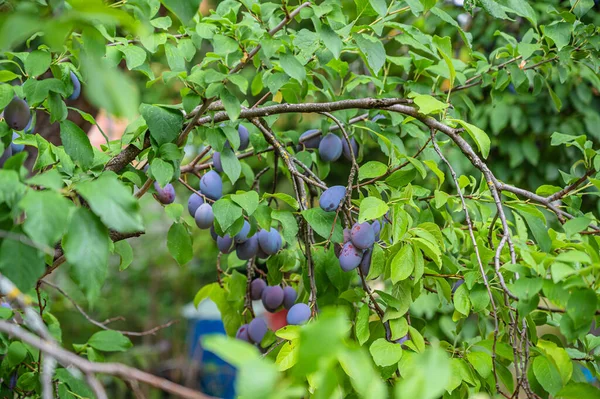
(309, 142)
(346, 148)
(256, 288)
(257, 329)
(216, 157)
(194, 202)
(165, 195)
(76, 86)
(330, 148)
(272, 297)
(17, 114)
(362, 235)
(331, 198)
(289, 297)
(211, 185)
(350, 257)
(298, 314)
(247, 249)
(204, 216)
(269, 241)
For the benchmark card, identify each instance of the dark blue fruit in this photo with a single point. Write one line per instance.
(298, 314)
(243, 234)
(362, 235)
(193, 203)
(347, 234)
(346, 149)
(242, 333)
(225, 244)
(16, 147)
(269, 241)
(332, 198)
(211, 185)
(16, 114)
(247, 249)
(376, 228)
(257, 330)
(76, 87)
(330, 148)
(312, 142)
(457, 284)
(402, 340)
(261, 254)
(164, 195)
(204, 216)
(365, 263)
(213, 233)
(377, 117)
(5, 155)
(244, 137)
(272, 298)
(30, 126)
(257, 287)
(350, 257)
(216, 158)
(289, 297)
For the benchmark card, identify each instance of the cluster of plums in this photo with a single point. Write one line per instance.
(273, 298)
(18, 117)
(331, 147)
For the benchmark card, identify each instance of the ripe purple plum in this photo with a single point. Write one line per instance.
(298, 314)
(243, 234)
(76, 87)
(376, 229)
(216, 158)
(194, 203)
(332, 198)
(257, 330)
(213, 233)
(269, 241)
(362, 235)
(165, 195)
(377, 117)
(225, 244)
(312, 142)
(457, 284)
(17, 114)
(256, 288)
(211, 185)
(350, 257)
(347, 235)
(272, 298)
(289, 297)
(204, 216)
(244, 137)
(365, 263)
(346, 149)
(5, 155)
(247, 249)
(242, 333)
(330, 148)
(16, 147)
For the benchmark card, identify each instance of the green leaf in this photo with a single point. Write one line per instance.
(362, 325)
(231, 165)
(379, 6)
(479, 136)
(184, 10)
(289, 224)
(37, 62)
(164, 124)
(77, 144)
(371, 208)
(125, 252)
(385, 353)
(109, 341)
(372, 50)
(539, 231)
(291, 66)
(417, 372)
(288, 199)
(19, 262)
(134, 56)
(581, 7)
(47, 216)
(560, 33)
(6, 95)
(322, 223)
(17, 352)
(523, 9)
(231, 103)
(576, 225)
(248, 201)
(547, 375)
(578, 390)
(582, 306)
(161, 171)
(461, 300)
(113, 202)
(179, 242)
(495, 9)
(86, 249)
(227, 212)
(371, 169)
(402, 264)
(428, 104)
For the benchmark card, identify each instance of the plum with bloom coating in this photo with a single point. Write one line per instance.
(350, 257)
(272, 298)
(257, 330)
(362, 235)
(331, 198)
(257, 287)
(298, 314)
(330, 148)
(289, 297)
(204, 216)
